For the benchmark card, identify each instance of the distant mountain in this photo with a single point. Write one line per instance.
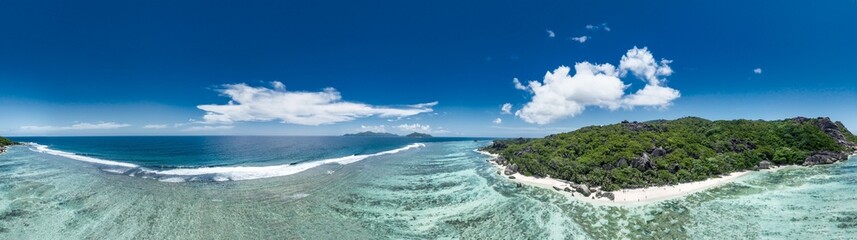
(371, 134)
(418, 135)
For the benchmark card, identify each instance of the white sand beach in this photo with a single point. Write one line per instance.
(627, 197)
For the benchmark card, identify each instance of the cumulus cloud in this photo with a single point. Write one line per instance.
(78, 126)
(551, 33)
(506, 108)
(250, 103)
(498, 121)
(602, 26)
(561, 95)
(581, 39)
(518, 84)
(208, 128)
(757, 71)
(155, 126)
(376, 128)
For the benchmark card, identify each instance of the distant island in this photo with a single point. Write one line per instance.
(4, 142)
(418, 135)
(383, 134)
(370, 134)
(666, 152)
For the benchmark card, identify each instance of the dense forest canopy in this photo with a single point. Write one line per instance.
(661, 152)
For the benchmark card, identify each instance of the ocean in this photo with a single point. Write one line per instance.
(253, 187)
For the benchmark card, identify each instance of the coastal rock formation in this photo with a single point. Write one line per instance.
(582, 189)
(512, 169)
(824, 157)
(608, 195)
(764, 165)
(831, 129)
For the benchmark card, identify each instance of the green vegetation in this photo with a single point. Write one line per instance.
(661, 152)
(6, 142)
(418, 135)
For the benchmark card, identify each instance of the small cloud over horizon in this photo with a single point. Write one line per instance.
(74, 127)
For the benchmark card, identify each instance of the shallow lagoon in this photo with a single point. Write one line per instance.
(443, 190)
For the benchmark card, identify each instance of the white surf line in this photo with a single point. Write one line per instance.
(44, 149)
(237, 173)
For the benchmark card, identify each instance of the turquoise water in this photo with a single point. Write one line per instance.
(439, 190)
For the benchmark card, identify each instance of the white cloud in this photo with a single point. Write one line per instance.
(581, 39)
(305, 108)
(155, 126)
(518, 84)
(278, 85)
(641, 63)
(602, 26)
(78, 126)
(416, 127)
(551, 33)
(506, 108)
(378, 128)
(757, 71)
(422, 128)
(562, 95)
(208, 128)
(498, 121)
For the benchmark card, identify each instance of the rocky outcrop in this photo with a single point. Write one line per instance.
(824, 157)
(608, 195)
(831, 129)
(658, 151)
(675, 168)
(511, 169)
(582, 189)
(643, 163)
(764, 165)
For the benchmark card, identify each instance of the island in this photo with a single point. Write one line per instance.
(5, 142)
(632, 155)
(418, 135)
(370, 134)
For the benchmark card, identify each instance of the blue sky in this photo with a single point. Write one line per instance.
(151, 67)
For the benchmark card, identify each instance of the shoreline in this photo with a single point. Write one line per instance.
(625, 197)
